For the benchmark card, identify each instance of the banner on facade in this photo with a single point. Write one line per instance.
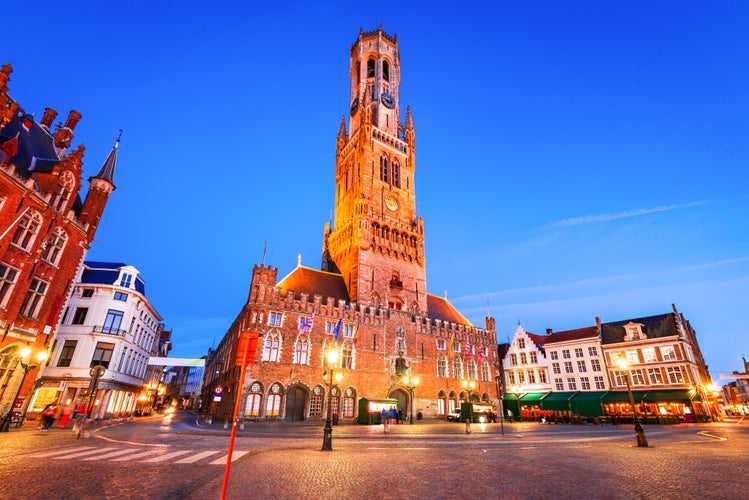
(246, 348)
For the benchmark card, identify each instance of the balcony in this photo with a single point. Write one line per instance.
(395, 283)
(109, 330)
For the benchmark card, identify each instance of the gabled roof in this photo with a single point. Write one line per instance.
(660, 325)
(440, 308)
(36, 147)
(313, 282)
(589, 332)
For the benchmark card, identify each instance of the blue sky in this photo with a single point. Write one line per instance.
(574, 159)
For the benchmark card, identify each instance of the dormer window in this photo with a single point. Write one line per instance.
(126, 280)
(633, 331)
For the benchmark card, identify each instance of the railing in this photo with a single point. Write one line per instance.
(109, 330)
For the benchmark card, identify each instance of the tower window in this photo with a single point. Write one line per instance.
(370, 68)
(386, 71)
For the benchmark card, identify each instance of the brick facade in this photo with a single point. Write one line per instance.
(372, 286)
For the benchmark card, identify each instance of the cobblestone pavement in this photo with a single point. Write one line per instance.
(156, 458)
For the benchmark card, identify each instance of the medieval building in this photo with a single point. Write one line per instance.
(45, 232)
(368, 303)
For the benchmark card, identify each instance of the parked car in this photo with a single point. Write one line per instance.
(454, 416)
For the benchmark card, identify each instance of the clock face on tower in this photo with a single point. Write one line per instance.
(391, 203)
(387, 99)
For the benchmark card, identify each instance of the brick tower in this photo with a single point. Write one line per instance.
(377, 243)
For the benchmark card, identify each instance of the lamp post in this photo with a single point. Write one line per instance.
(26, 366)
(639, 431)
(332, 359)
(500, 397)
(411, 383)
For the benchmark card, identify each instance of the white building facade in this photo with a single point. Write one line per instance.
(108, 322)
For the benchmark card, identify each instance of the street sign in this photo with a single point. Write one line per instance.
(218, 390)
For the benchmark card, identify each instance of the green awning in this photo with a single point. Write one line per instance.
(509, 397)
(667, 397)
(623, 396)
(559, 401)
(587, 404)
(532, 397)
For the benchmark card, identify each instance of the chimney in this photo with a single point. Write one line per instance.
(548, 331)
(48, 118)
(73, 118)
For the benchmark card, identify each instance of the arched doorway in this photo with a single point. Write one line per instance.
(296, 401)
(402, 397)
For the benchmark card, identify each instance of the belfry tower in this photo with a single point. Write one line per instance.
(377, 242)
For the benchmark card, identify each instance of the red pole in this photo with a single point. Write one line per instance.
(236, 417)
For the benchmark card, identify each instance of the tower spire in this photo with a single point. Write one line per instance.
(106, 172)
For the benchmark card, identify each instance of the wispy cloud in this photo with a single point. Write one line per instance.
(590, 219)
(598, 282)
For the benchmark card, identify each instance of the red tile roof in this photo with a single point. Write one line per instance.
(313, 282)
(440, 308)
(587, 332)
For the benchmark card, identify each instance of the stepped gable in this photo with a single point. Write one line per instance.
(568, 335)
(539, 340)
(441, 309)
(661, 325)
(313, 282)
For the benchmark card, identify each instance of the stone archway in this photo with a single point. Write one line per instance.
(296, 403)
(403, 400)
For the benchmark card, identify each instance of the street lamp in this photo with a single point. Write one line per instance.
(468, 386)
(639, 431)
(411, 383)
(24, 353)
(332, 358)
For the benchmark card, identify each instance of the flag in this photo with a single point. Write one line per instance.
(9, 149)
(356, 335)
(450, 350)
(337, 329)
(307, 325)
(481, 354)
(468, 349)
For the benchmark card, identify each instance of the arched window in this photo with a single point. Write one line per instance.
(55, 246)
(349, 403)
(271, 347)
(371, 68)
(442, 366)
(315, 402)
(34, 298)
(347, 355)
(27, 229)
(485, 373)
(384, 169)
(252, 408)
(358, 73)
(471, 370)
(301, 350)
(396, 168)
(441, 404)
(386, 71)
(273, 408)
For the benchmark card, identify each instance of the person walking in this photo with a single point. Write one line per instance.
(48, 417)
